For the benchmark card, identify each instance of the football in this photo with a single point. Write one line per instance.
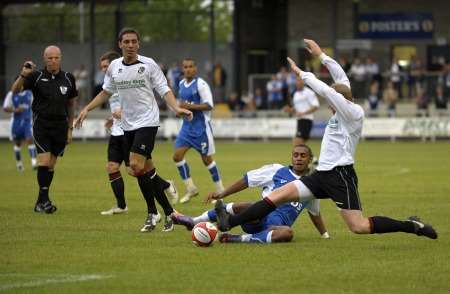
(204, 234)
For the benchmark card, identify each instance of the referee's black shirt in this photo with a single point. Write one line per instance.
(51, 93)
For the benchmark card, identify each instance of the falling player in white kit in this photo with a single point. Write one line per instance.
(195, 95)
(134, 77)
(335, 176)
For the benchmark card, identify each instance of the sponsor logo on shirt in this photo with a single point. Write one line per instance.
(63, 89)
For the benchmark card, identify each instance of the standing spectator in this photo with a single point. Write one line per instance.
(234, 103)
(358, 75)
(374, 95)
(134, 78)
(53, 107)
(440, 101)
(81, 80)
(174, 75)
(422, 102)
(274, 93)
(219, 81)
(372, 70)
(415, 76)
(390, 96)
(396, 77)
(305, 104)
(282, 76)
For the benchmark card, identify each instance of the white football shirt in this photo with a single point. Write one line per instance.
(135, 84)
(304, 100)
(114, 105)
(345, 126)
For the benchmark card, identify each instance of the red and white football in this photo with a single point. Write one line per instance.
(204, 234)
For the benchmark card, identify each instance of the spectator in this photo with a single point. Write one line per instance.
(174, 75)
(422, 102)
(282, 76)
(260, 100)
(234, 102)
(415, 76)
(219, 80)
(249, 105)
(274, 93)
(374, 93)
(81, 80)
(358, 75)
(390, 96)
(372, 70)
(440, 101)
(396, 78)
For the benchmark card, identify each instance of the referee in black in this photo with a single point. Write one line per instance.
(53, 107)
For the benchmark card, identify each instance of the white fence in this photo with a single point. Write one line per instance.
(281, 128)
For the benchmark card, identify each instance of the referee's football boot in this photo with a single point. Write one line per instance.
(46, 207)
(222, 216)
(422, 229)
(184, 220)
(150, 223)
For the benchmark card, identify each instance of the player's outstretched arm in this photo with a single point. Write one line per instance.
(319, 224)
(234, 188)
(101, 98)
(172, 102)
(336, 71)
(27, 69)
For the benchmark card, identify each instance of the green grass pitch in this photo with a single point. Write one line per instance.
(77, 250)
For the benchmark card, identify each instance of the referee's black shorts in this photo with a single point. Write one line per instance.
(339, 184)
(141, 141)
(50, 136)
(304, 127)
(117, 151)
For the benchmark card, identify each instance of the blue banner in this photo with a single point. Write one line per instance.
(395, 26)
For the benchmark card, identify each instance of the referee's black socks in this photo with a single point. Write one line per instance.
(118, 188)
(257, 211)
(145, 184)
(44, 178)
(383, 224)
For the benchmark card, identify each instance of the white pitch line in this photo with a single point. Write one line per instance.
(62, 279)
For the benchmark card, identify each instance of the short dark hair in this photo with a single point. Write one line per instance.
(189, 59)
(311, 155)
(128, 31)
(110, 56)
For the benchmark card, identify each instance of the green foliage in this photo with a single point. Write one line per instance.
(169, 20)
(51, 253)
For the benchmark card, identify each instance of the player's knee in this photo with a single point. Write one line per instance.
(112, 167)
(177, 157)
(358, 228)
(137, 167)
(282, 235)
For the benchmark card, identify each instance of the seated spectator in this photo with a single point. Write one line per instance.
(260, 100)
(390, 96)
(422, 102)
(374, 92)
(441, 101)
(234, 103)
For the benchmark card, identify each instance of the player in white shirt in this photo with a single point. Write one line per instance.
(194, 94)
(134, 78)
(305, 103)
(335, 177)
